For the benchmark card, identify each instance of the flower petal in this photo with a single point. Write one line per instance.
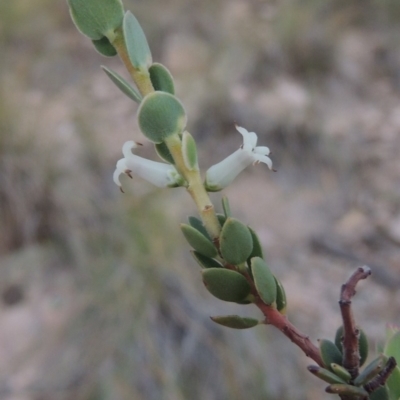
(264, 159)
(262, 150)
(249, 138)
(120, 169)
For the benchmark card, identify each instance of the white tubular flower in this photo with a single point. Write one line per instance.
(222, 174)
(159, 174)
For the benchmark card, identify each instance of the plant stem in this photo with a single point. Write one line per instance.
(141, 78)
(195, 188)
(351, 355)
(279, 321)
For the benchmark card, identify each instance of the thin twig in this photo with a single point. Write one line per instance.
(351, 356)
(279, 321)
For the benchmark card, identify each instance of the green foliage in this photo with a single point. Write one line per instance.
(164, 153)
(161, 115)
(97, 18)
(136, 43)
(343, 389)
(329, 353)
(264, 280)
(381, 393)
(189, 152)
(325, 375)
(236, 243)
(341, 372)
(123, 85)
(257, 248)
(198, 224)
(161, 78)
(236, 322)
(226, 285)
(204, 261)
(104, 47)
(198, 241)
(363, 347)
(281, 302)
(221, 219)
(370, 371)
(226, 207)
(392, 349)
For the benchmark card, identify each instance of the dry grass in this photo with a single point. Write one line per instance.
(112, 306)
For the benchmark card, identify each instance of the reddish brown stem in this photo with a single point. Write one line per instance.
(279, 321)
(351, 356)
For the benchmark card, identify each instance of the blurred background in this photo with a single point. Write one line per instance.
(100, 299)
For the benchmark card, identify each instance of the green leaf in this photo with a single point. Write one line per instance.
(371, 370)
(97, 18)
(161, 115)
(198, 224)
(264, 280)
(392, 347)
(236, 322)
(198, 241)
(161, 78)
(189, 152)
(324, 374)
(136, 43)
(281, 302)
(123, 85)
(329, 353)
(236, 243)
(341, 372)
(343, 389)
(225, 284)
(204, 261)
(164, 153)
(393, 384)
(104, 47)
(257, 249)
(380, 394)
(362, 343)
(221, 219)
(226, 207)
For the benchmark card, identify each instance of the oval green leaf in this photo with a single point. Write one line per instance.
(136, 43)
(198, 224)
(393, 383)
(204, 261)
(161, 115)
(330, 353)
(324, 374)
(381, 393)
(257, 249)
(123, 85)
(264, 280)
(104, 47)
(341, 372)
(343, 389)
(189, 152)
(226, 207)
(281, 302)
(362, 343)
(198, 241)
(164, 153)
(235, 322)
(236, 243)
(161, 78)
(97, 18)
(225, 284)
(371, 370)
